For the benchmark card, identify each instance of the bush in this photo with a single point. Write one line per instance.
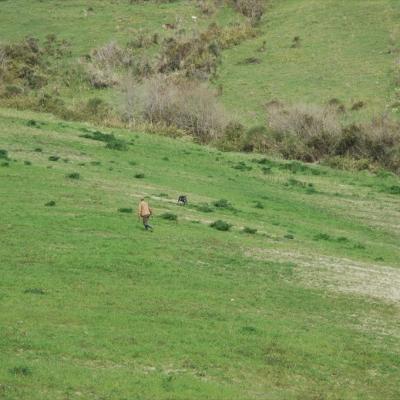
(222, 203)
(51, 203)
(125, 210)
(305, 132)
(27, 162)
(74, 175)
(322, 236)
(117, 144)
(233, 137)
(186, 105)
(139, 176)
(111, 141)
(251, 231)
(3, 154)
(21, 371)
(253, 9)
(169, 216)
(258, 204)
(54, 158)
(221, 225)
(257, 139)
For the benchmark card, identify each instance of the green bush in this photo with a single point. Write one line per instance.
(74, 175)
(139, 176)
(51, 203)
(3, 154)
(221, 225)
(54, 158)
(222, 203)
(251, 231)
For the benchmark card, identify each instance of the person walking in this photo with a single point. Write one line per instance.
(145, 212)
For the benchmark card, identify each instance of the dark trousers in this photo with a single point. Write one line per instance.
(145, 219)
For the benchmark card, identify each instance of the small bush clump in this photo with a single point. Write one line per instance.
(139, 176)
(223, 203)
(54, 158)
(74, 175)
(251, 231)
(21, 371)
(50, 203)
(3, 154)
(221, 225)
(322, 236)
(34, 291)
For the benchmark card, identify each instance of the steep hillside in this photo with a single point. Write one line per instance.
(303, 304)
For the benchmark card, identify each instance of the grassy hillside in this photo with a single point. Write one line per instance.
(343, 49)
(343, 53)
(94, 307)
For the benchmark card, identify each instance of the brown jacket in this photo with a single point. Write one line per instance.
(144, 209)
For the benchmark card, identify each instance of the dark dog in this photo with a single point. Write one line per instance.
(182, 200)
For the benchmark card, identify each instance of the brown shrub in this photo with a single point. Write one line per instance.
(253, 9)
(175, 102)
(318, 128)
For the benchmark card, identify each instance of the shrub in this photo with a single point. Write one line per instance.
(322, 236)
(139, 176)
(221, 225)
(305, 132)
(395, 189)
(34, 291)
(54, 158)
(13, 90)
(74, 175)
(38, 150)
(125, 210)
(257, 139)
(3, 154)
(258, 204)
(222, 203)
(103, 64)
(21, 370)
(251, 231)
(169, 216)
(288, 236)
(27, 162)
(186, 105)
(117, 144)
(233, 137)
(51, 203)
(253, 9)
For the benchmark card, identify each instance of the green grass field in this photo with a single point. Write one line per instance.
(94, 307)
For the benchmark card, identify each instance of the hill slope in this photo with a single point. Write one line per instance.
(343, 52)
(95, 307)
